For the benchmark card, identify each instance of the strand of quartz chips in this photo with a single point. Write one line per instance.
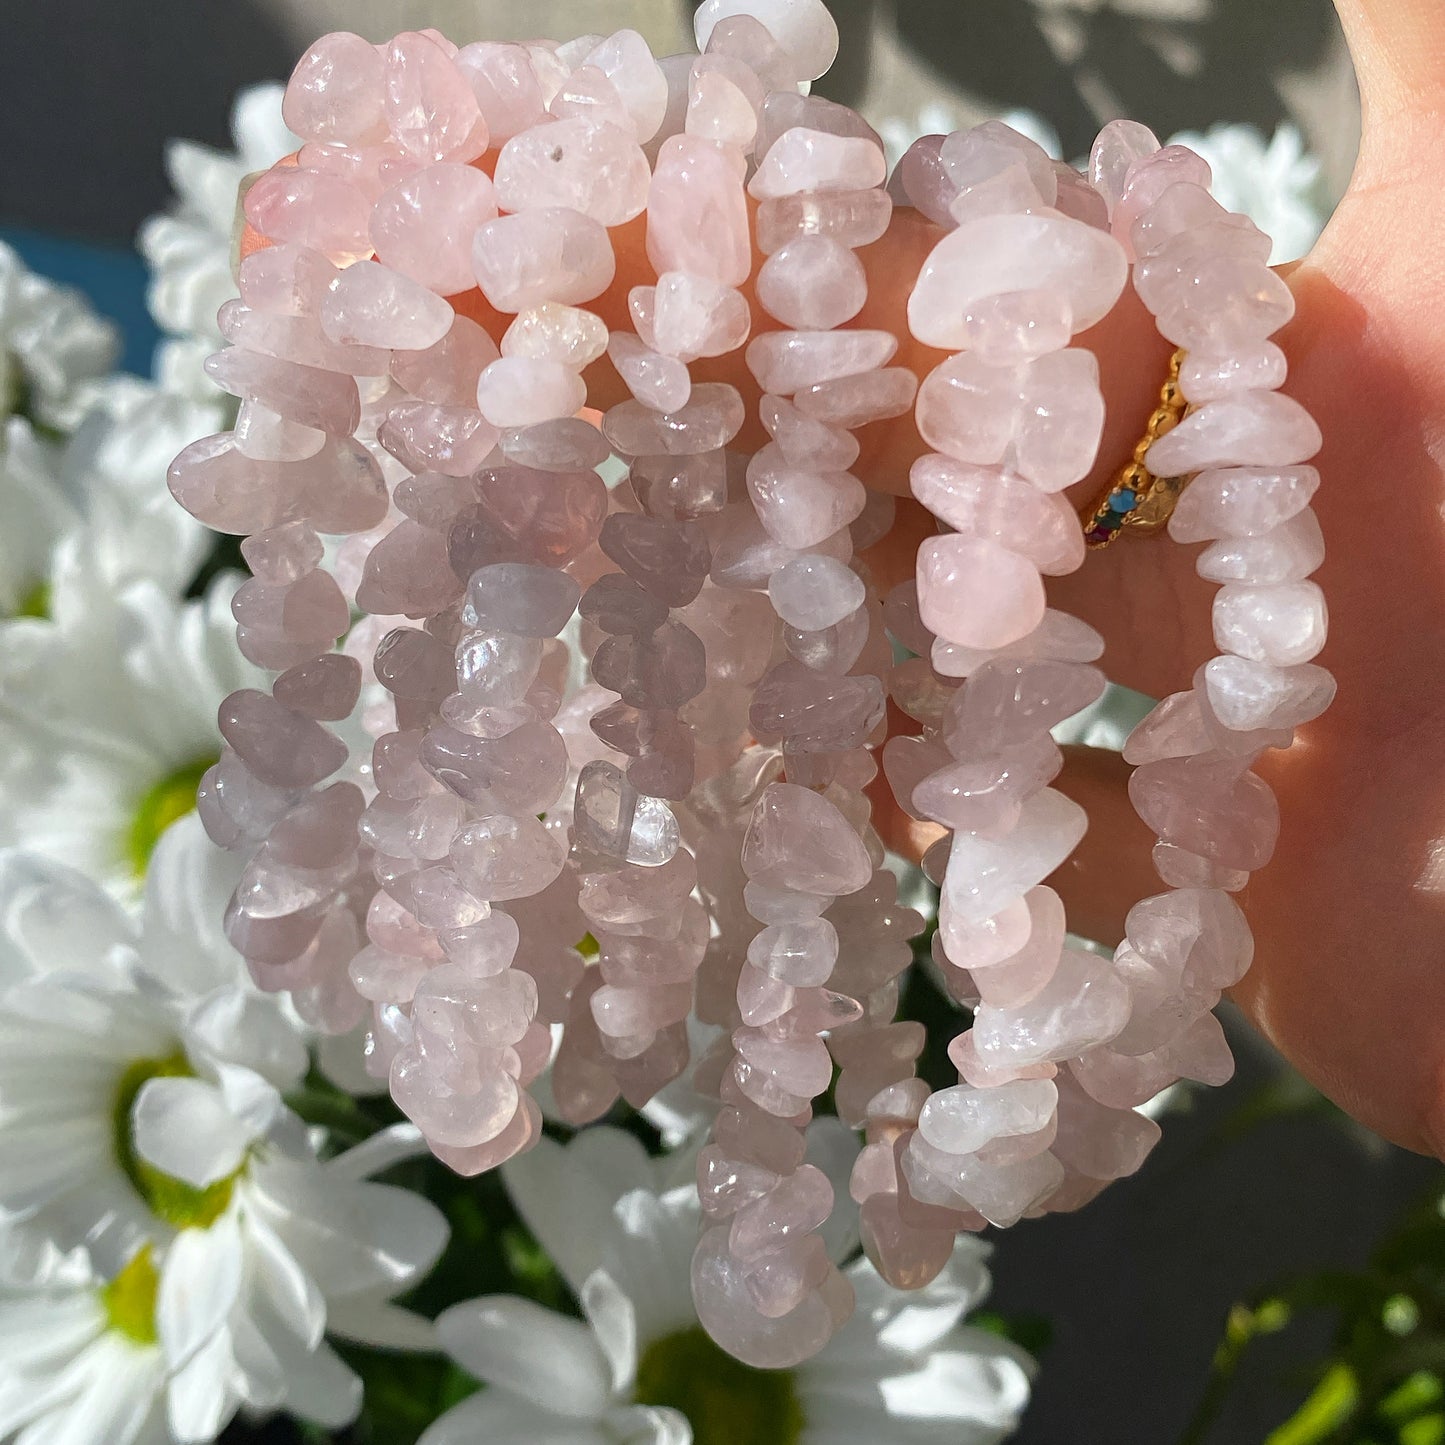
(682, 785)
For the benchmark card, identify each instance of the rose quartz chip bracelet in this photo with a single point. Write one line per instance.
(586, 783)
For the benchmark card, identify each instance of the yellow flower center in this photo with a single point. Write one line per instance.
(180, 1204)
(129, 1299)
(35, 602)
(171, 798)
(725, 1401)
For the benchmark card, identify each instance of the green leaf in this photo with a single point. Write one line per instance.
(1329, 1406)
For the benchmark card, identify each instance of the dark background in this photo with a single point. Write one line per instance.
(1135, 1288)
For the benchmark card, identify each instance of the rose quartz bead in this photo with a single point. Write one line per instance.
(549, 254)
(813, 283)
(1241, 502)
(597, 169)
(1260, 366)
(566, 445)
(518, 391)
(1246, 695)
(1151, 178)
(813, 593)
(804, 160)
(803, 441)
(986, 796)
(1119, 145)
(267, 436)
(804, 28)
(660, 382)
(784, 362)
(999, 507)
(975, 592)
(446, 374)
(424, 227)
(798, 839)
(985, 874)
(588, 95)
(320, 212)
(689, 316)
(857, 401)
(1007, 253)
(1049, 412)
(1209, 806)
(335, 92)
(1251, 428)
(519, 597)
(430, 107)
(801, 508)
(1179, 868)
(287, 279)
(724, 99)
(318, 399)
(507, 87)
(1283, 624)
(710, 420)
(1286, 553)
(283, 554)
(504, 857)
(552, 332)
(962, 1120)
(626, 61)
(280, 747)
(372, 305)
(697, 217)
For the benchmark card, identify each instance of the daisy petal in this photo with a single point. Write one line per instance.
(497, 1416)
(184, 1129)
(519, 1346)
(200, 1282)
(614, 1323)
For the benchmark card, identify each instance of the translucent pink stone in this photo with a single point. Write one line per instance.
(1246, 695)
(1258, 367)
(503, 857)
(1282, 624)
(424, 227)
(803, 160)
(553, 332)
(804, 441)
(372, 305)
(1286, 553)
(1119, 145)
(974, 592)
(518, 391)
(986, 874)
(724, 98)
(518, 597)
(506, 85)
(857, 401)
(1241, 502)
(588, 95)
(1209, 806)
(1007, 253)
(798, 839)
(335, 92)
(323, 400)
(697, 217)
(711, 419)
(1251, 428)
(626, 61)
(267, 436)
(660, 382)
(962, 1120)
(1000, 507)
(804, 28)
(430, 106)
(813, 593)
(597, 169)
(446, 374)
(688, 316)
(1048, 411)
(1083, 1004)
(1151, 178)
(548, 254)
(280, 747)
(985, 796)
(320, 212)
(325, 688)
(812, 283)
(286, 278)
(850, 218)
(784, 362)
(801, 508)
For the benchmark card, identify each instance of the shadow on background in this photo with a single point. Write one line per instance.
(90, 90)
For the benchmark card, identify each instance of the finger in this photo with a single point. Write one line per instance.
(1398, 47)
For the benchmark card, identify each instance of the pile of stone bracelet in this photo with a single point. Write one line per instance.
(609, 744)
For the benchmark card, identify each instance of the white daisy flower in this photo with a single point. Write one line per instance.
(50, 343)
(105, 743)
(80, 1360)
(1276, 183)
(189, 248)
(621, 1228)
(141, 1109)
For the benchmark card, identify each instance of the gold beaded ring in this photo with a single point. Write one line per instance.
(1137, 501)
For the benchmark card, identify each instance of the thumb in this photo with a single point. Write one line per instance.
(1398, 47)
